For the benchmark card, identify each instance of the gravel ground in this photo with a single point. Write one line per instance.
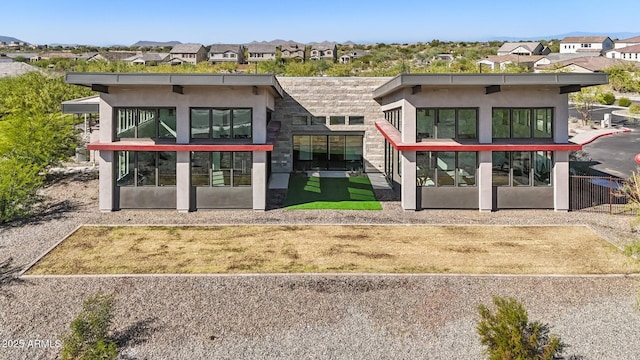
(304, 316)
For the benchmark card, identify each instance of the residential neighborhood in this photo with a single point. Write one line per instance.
(334, 199)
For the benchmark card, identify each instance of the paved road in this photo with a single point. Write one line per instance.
(614, 154)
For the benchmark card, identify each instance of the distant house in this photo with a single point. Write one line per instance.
(587, 64)
(187, 53)
(324, 50)
(261, 52)
(523, 48)
(110, 56)
(554, 58)
(579, 44)
(293, 51)
(148, 58)
(226, 53)
(354, 54)
(619, 44)
(625, 53)
(501, 61)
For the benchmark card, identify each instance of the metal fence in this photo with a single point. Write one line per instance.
(603, 194)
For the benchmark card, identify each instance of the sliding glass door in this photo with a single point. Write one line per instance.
(327, 152)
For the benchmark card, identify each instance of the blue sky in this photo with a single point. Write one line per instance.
(124, 22)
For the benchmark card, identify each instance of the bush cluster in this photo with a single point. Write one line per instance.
(634, 109)
(623, 101)
(606, 98)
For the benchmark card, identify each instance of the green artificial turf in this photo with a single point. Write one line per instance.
(352, 193)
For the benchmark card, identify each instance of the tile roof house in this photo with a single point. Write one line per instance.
(627, 42)
(293, 51)
(523, 48)
(324, 50)
(226, 53)
(626, 53)
(148, 58)
(354, 54)
(577, 44)
(261, 52)
(588, 64)
(501, 61)
(187, 53)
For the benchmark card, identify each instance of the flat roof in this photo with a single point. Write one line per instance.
(107, 79)
(86, 105)
(547, 79)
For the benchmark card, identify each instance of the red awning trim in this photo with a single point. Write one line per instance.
(129, 146)
(393, 137)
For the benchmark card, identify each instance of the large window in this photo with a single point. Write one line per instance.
(521, 168)
(446, 168)
(215, 123)
(151, 123)
(146, 168)
(522, 123)
(231, 169)
(394, 117)
(440, 123)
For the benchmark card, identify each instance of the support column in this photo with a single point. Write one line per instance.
(183, 182)
(485, 187)
(408, 188)
(259, 180)
(561, 181)
(106, 182)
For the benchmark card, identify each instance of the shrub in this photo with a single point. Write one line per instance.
(89, 330)
(606, 98)
(623, 101)
(508, 334)
(634, 109)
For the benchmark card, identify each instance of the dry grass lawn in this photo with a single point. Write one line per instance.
(369, 249)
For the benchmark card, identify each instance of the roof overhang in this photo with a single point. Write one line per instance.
(566, 82)
(101, 81)
(392, 135)
(87, 105)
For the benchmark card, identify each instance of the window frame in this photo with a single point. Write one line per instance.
(232, 130)
(535, 178)
(432, 174)
(136, 118)
(533, 122)
(133, 157)
(232, 171)
(456, 123)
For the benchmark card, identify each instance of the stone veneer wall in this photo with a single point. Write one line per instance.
(329, 96)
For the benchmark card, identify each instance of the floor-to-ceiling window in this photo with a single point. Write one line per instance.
(327, 152)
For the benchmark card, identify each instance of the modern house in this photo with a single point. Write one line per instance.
(523, 48)
(203, 141)
(261, 52)
(187, 53)
(324, 50)
(293, 51)
(588, 44)
(473, 141)
(226, 53)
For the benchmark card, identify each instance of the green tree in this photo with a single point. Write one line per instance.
(19, 184)
(507, 333)
(584, 100)
(88, 336)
